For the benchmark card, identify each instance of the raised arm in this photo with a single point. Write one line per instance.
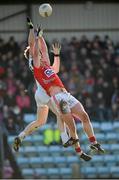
(56, 51)
(43, 47)
(33, 44)
(31, 36)
(36, 54)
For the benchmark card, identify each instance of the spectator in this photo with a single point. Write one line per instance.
(48, 136)
(23, 101)
(51, 136)
(7, 170)
(11, 126)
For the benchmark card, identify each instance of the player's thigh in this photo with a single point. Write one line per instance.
(78, 110)
(42, 114)
(54, 107)
(60, 124)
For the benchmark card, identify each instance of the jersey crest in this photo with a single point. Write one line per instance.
(49, 72)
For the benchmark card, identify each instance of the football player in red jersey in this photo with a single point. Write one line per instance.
(64, 103)
(45, 65)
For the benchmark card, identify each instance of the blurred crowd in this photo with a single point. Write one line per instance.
(89, 70)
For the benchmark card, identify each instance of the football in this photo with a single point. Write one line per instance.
(45, 10)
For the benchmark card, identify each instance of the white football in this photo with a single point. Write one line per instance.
(45, 10)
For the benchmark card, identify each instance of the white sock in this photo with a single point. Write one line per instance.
(95, 142)
(22, 135)
(64, 137)
(77, 136)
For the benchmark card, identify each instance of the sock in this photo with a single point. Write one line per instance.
(78, 150)
(93, 140)
(22, 135)
(77, 136)
(64, 137)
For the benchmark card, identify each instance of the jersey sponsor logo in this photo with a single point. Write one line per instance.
(49, 72)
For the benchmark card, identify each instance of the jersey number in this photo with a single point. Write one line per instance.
(49, 72)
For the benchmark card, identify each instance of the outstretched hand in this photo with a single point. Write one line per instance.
(56, 48)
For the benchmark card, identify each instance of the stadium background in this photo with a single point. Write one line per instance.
(89, 34)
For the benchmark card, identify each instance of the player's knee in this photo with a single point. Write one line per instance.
(40, 123)
(64, 107)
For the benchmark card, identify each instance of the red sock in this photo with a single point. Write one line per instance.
(92, 139)
(78, 150)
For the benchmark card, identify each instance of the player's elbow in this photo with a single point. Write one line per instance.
(56, 70)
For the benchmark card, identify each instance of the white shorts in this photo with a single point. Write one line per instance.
(41, 98)
(72, 101)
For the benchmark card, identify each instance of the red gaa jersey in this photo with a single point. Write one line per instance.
(47, 77)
